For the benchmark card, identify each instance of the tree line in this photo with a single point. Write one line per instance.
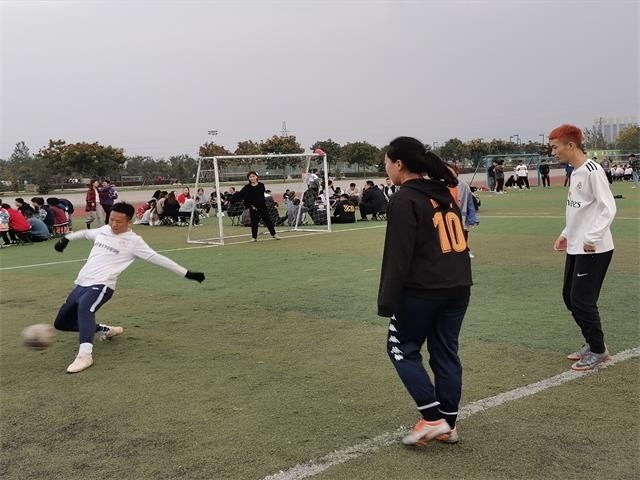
(60, 160)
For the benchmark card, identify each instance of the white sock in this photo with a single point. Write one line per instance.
(86, 348)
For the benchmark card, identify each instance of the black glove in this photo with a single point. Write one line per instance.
(61, 244)
(197, 276)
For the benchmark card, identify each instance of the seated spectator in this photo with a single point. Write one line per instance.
(309, 197)
(4, 224)
(22, 205)
(345, 211)
(202, 202)
(354, 193)
(628, 172)
(273, 212)
(184, 212)
(185, 195)
(319, 211)
(619, 175)
(60, 216)
(511, 182)
(43, 211)
(160, 203)
(373, 201)
(39, 231)
(18, 225)
(171, 207)
(295, 209)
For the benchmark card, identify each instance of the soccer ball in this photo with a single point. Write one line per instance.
(38, 336)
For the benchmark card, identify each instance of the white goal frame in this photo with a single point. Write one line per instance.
(296, 228)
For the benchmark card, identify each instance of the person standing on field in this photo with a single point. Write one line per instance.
(587, 241)
(115, 247)
(253, 194)
(92, 203)
(425, 285)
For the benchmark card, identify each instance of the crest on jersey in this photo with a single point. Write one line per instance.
(579, 186)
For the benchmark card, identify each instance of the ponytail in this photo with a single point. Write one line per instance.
(420, 159)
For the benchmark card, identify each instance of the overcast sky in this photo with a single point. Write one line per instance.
(154, 76)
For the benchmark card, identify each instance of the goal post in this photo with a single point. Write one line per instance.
(306, 207)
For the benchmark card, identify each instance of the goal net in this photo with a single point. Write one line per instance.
(296, 198)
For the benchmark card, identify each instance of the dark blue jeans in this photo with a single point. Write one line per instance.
(436, 321)
(78, 313)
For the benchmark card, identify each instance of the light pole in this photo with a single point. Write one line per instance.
(542, 135)
(517, 138)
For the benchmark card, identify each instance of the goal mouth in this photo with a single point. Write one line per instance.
(297, 198)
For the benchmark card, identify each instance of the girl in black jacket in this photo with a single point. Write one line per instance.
(425, 285)
(253, 195)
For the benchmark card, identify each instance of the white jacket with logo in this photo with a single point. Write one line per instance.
(590, 210)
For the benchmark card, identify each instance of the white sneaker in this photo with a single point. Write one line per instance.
(254, 239)
(471, 255)
(275, 237)
(110, 332)
(425, 431)
(82, 362)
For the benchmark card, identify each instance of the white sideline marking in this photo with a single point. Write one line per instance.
(18, 267)
(345, 455)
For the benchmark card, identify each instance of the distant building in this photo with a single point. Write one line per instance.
(610, 127)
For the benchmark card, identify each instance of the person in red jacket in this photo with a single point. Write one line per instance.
(60, 216)
(17, 223)
(184, 196)
(92, 204)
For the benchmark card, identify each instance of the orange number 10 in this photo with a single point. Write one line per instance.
(450, 232)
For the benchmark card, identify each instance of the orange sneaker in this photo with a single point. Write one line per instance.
(425, 431)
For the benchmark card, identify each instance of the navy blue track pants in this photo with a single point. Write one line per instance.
(436, 321)
(78, 313)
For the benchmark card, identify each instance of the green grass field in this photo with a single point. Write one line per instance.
(279, 359)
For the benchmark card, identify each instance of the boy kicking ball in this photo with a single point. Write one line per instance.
(115, 247)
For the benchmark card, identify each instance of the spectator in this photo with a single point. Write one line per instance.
(184, 212)
(568, 170)
(253, 194)
(92, 204)
(606, 166)
(108, 194)
(543, 169)
(184, 196)
(296, 210)
(171, 207)
(499, 176)
(18, 225)
(389, 189)
(373, 201)
(523, 175)
(628, 172)
(619, 173)
(160, 204)
(44, 212)
(491, 176)
(635, 166)
(22, 206)
(60, 217)
(4, 224)
(354, 193)
(39, 231)
(345, 211)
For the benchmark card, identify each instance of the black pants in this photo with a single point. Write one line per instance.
(523, 181)
(583, 277)
(546, 182)
(107, 212)
(500, 185)
(256, 214)
(78, 313)
(436, 321)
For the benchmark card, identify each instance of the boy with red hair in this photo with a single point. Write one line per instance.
(587, 240)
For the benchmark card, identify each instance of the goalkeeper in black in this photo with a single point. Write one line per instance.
(425, 286)
(253, 194)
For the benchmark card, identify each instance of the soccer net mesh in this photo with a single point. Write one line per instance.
(296, 198)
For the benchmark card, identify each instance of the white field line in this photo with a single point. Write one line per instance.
(544, 216)
(345, 455)
(286, 237)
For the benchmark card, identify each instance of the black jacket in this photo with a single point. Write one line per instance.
(374, 199)
(416, 262)
(252, 196)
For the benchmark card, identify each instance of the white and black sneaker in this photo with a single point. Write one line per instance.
(107, 332)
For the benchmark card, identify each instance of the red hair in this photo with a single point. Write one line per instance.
(567, 133)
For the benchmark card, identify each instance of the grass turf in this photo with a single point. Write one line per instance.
(278, 358)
